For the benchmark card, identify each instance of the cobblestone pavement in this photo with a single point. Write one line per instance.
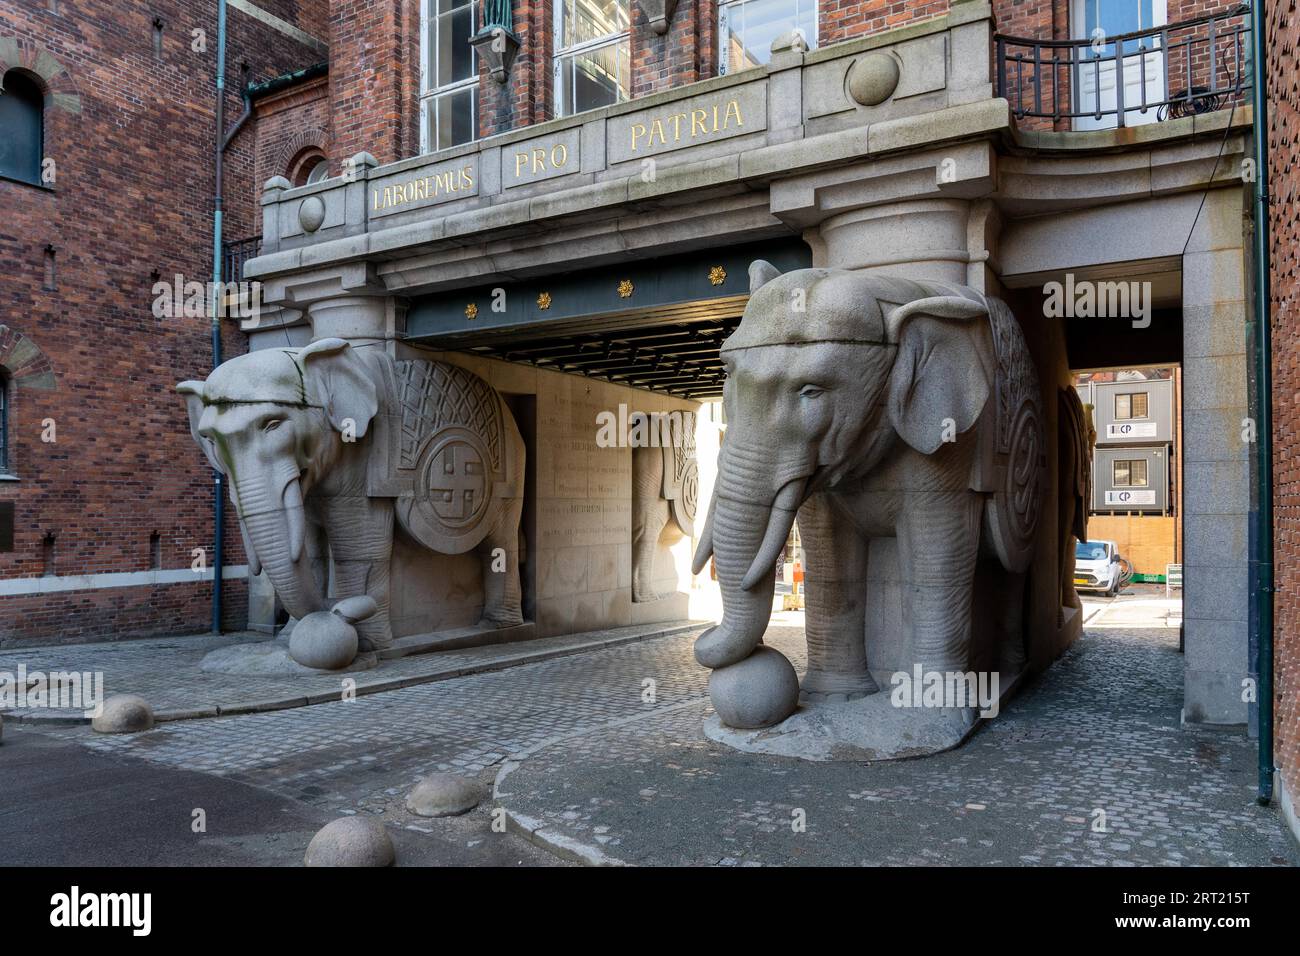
(610, 761)
(165, 671)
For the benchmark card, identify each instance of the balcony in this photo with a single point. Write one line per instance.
(234, 254)
(1180, 69)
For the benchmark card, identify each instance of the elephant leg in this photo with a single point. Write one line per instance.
(938, 540)
(649, 518)
(835, 556)
(648, 525)
(499, 552)
(361, 545)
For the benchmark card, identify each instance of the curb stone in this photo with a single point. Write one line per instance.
(204, 711)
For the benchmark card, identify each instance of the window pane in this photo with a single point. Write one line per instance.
(455, 57)
(1140, 405)
(318, 172)
(1123, 406)
(21, 108)
(751, 26)
(453, 118)
(585, 20)
(1121, 474)
(595, 78)
(1139, 470)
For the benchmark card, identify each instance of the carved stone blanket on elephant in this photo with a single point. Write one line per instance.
(450, 456)
(1074, 427)
(1012, 516)
(681, 487)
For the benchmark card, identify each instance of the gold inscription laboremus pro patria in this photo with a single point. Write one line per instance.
(537, 160)
(688, 124)
(432, 186)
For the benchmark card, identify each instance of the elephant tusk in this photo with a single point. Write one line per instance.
(296, 518)
(254, 562)
(705, 550)
(779, 523)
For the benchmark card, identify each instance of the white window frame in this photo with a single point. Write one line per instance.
(427, 71)
(1130, 417)
(724, 10)
(562, 55)
(1130, 462)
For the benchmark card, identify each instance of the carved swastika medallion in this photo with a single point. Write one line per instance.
(458, 483)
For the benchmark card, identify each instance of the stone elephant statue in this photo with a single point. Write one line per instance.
(327, 446)
(868, 406)
(1076, 438)
(665, 489)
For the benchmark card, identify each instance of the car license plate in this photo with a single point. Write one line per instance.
(1083, 581)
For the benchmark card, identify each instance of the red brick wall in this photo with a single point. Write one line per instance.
(374, 79)
(289, 124)
(525, 98)
(131, 134)
(685, 54)
(845, 19)
(1284, 234)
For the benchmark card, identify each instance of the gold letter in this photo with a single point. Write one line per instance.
(635, 127)
(697, 119)
(562, 152)
(539, 159)
(734, 105)
(520, 160)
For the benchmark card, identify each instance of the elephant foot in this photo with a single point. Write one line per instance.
(829, 687)
(498, 619)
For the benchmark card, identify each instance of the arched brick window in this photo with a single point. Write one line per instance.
(309, 166)
(22, 127)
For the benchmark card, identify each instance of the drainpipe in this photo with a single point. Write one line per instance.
(1260, 337)
(218, 491)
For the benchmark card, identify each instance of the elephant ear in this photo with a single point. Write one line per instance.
(335, 373)
(761, 272)
(940, 384)
(194, 404)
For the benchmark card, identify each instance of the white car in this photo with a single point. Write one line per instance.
(1099, 567)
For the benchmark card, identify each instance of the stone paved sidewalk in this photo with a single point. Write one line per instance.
(166, 672)
(604, 764)
(1097, 735)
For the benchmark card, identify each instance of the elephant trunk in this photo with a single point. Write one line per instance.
(746, 535)
(276, 531)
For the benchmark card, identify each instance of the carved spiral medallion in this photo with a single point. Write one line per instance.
(1014, 509)
(625, 289)
(471, 311)
(685, 504)
(717, 275)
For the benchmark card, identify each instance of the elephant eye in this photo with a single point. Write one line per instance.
(271, 424)
(811, 391)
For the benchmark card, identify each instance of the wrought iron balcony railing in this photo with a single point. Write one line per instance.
(234, 254)
(1195, 66)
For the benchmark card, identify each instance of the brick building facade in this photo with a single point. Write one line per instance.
(101, 473)
(1284, 235)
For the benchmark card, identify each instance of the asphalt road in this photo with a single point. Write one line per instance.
(67, 805)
